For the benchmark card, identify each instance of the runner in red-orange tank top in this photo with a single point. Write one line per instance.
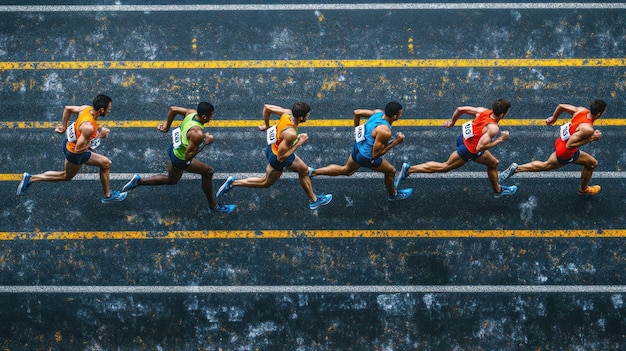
(477, 137)
(578, 132)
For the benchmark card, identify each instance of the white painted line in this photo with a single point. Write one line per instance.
(313, 289)
(313, 7)
(377, 175)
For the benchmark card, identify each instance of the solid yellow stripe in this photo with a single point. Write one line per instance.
(315, 234)
(271, 64)
(236, 123)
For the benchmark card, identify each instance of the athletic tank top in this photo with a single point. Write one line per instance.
(283, 123)
(561, 142)
(84, 116)
(187, 123)
(366, 146)
(478, 125)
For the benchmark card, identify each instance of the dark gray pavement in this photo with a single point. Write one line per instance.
(581, 314)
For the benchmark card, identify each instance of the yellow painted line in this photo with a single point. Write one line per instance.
(294, 64)
(236, 123)
(9, 177)
(313, 234)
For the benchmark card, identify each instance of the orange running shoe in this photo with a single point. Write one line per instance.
(591, 190)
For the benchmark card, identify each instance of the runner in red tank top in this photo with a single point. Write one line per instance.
(573, 135)
(477, 137)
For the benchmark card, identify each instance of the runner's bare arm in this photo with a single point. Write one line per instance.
(460, 111)
(560, 108)
(487, 141)
(289, 145)
(82, 143)
(583, 135)
(267, 112)
(171, 115)
(196, 136)
(67, 113)
(360, 113)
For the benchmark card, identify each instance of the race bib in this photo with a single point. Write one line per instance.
(565, 135)
(467, 130)
(70, 133)
(359, 133)
(94, 143)
(271, 135)
(176, 137)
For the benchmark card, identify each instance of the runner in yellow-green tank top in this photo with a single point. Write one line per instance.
(180, 145)
(187, 141)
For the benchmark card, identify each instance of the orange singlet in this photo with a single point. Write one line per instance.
(478, 125)
(283, 123)
(560, 145)
(84, 116)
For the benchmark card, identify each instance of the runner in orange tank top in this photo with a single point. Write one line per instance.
(477, 137)
(82, 137)
(282, 143)
(85, 116)
(572, 136)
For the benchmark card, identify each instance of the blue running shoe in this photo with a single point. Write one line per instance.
(322, 199)
(225, 187)
(506, 190)
(402, 175)
(222, 209)
(115, 196)
(24, 183)
(401, 194)
(507, 173)
(132, 184)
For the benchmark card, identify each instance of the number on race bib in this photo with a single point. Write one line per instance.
(565, 135)
(94, 143)
(359, 133)
(271, 135)
(176, 137)
(468, 130)
(70, 133)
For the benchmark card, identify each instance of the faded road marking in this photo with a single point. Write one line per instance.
(8, 177)
(318, 122)
(312, 234)
(312, 7)
(313, 289)
(308, 64)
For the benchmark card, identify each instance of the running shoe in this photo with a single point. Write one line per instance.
(507, 173)
(322, 199)
(506, 190)
(115, 196)
(225, 187)
(401, 194)
(222, 209)
(132, 184)
(402, 175)
(24, 183)
(591, 190)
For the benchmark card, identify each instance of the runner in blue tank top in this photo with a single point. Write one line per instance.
(372, 141)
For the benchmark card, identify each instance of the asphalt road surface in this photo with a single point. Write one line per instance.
(450, 268)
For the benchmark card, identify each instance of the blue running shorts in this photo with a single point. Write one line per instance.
(462, 150)
(177, 162)
(77, 159)
(364, 161)
(277, 165)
